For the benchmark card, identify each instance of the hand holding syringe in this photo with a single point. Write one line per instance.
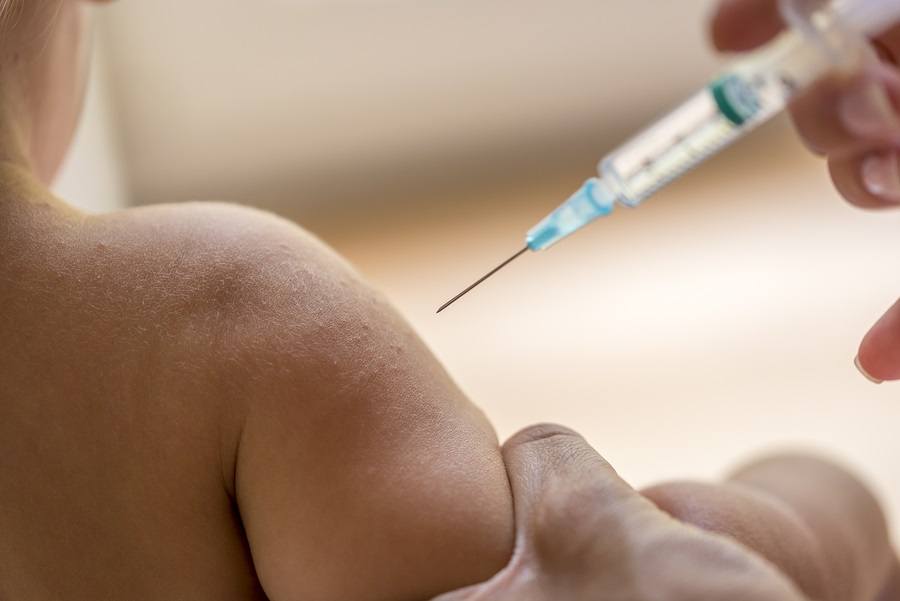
(844, 102)
(853, 121)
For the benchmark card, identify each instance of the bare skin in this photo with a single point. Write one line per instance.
(165, 366)
(204, 402)
(788, 528)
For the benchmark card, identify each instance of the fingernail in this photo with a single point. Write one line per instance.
(863, 371)
(865, 110)
(881, 176)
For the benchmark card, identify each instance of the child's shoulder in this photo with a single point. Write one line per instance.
(359, 468)
(230, 259)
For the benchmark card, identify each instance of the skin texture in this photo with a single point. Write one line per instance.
(854, 121)
(167, 368)
(789, 528)
(204, 402)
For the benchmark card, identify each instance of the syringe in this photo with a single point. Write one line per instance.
(822, 37)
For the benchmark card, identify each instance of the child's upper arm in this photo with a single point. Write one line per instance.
(361, 471)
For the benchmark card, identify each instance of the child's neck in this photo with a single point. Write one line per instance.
(23, 191)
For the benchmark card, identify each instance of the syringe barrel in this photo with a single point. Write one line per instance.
(823, 36)
(749, 93)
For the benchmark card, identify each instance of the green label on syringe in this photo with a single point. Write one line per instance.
(736, 100)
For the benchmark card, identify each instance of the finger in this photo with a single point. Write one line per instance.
(467, 594)
(891, 590)
(888, 45)
(739, 25)
(841, 514)
(548, 461)
(879, 353)
(754, 520)
(545, 464)
(849, 115)
(591, 536)
(559, 484)
(870, 180)
(561, 489)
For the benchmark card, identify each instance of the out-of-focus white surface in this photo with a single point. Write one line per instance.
(93, 177)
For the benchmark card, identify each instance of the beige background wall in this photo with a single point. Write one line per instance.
(93, 176)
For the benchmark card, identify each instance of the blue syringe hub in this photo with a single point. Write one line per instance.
(592, 201)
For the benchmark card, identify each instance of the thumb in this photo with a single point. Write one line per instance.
(558, 483)
(557, 480)
(879, 353)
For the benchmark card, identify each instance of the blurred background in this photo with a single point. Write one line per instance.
(421, 138)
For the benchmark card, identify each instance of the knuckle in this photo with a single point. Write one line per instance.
(815, 146)
(564, 528)
(718, 568)
(581, 525)
(819, 135)
(564, 508)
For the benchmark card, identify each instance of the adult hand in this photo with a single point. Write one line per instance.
(584, 534)
(853, 121)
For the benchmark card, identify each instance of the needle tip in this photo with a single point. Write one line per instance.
(482, 279)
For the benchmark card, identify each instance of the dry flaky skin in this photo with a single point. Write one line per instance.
(174, 379)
